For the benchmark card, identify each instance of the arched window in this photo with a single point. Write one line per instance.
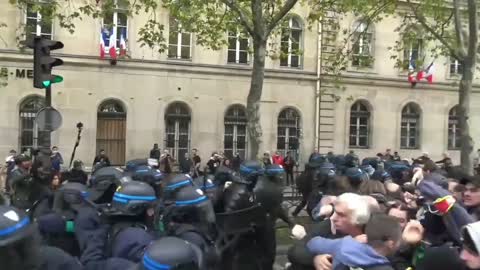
(235, 138)
(112, 130)
(288, 131)
(362, 44)
(30, 136)
(359, 125)
(410, 129)
(177, 130)
(291, 39)
(453, 129)
(180, 41)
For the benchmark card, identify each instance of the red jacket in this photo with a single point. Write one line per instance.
(277, 159)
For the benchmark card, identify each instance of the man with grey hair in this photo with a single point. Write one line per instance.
(351, 213)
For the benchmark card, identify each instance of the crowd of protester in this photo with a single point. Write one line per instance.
(387, 213)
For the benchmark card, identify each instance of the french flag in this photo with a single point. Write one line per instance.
(426, 74)
(411, 73)
(123, 44)
(102, 44)
(112, 45)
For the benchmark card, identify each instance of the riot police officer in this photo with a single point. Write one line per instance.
(131, 216)
(20, 245)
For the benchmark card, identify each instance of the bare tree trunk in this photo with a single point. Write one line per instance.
(466, 141)
(253, 101)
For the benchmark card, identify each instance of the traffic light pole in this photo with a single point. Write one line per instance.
(48, 119)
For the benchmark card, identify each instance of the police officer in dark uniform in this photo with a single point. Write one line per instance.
(58, 228)
(253, 249)
(190, 216)
(132, 210)
(20, 246)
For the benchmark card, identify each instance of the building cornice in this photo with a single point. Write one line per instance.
(158, 65)
(394, 82)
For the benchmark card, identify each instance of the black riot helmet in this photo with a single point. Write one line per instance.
(133, 164)
(133, 198)
(15, 225)
(172, 185)
(70, 196)
(223, 174)
(104, 182)
(356, 176)
(251, 168)
(149, 175)
(190, 206)
(172, 253)
(275, 173)
(208, 186)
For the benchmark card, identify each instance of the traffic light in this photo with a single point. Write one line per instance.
(43, 62)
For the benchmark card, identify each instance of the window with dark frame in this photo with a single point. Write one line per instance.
(179, 42)
(238, 47)
(410, 127)
(37, 24)
(413, 52)
(291, 38)
(177, 130)
(235, 137)
(30, 136)
(362, 46)
(116, 24)
(456, 67)
(359, 125)
(454, 134)
(288, 131)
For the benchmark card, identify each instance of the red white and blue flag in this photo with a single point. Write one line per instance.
(123, 44)
(112, 45)
(427, 74)
(411, 72)
(102, 43)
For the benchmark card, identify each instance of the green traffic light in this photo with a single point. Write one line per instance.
(57, 79)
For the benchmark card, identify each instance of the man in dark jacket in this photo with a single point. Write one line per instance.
(186, 164)
(383, 235)
(101, 158)
(76, 174)
(155, 152)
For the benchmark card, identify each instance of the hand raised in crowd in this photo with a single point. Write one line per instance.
(298, 232)
(323, 262)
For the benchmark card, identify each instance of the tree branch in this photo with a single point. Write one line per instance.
(244, 21)
(472, 27)
(281, 14)
(421, 19)
(458, 29)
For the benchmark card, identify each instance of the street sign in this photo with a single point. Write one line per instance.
(48, 119)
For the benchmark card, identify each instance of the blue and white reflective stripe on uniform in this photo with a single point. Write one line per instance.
(85, 194)
(153, 265)
(190, 202)
(15, 228)
(179, 184)
(123, 198)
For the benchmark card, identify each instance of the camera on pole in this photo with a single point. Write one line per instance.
(43, 62)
